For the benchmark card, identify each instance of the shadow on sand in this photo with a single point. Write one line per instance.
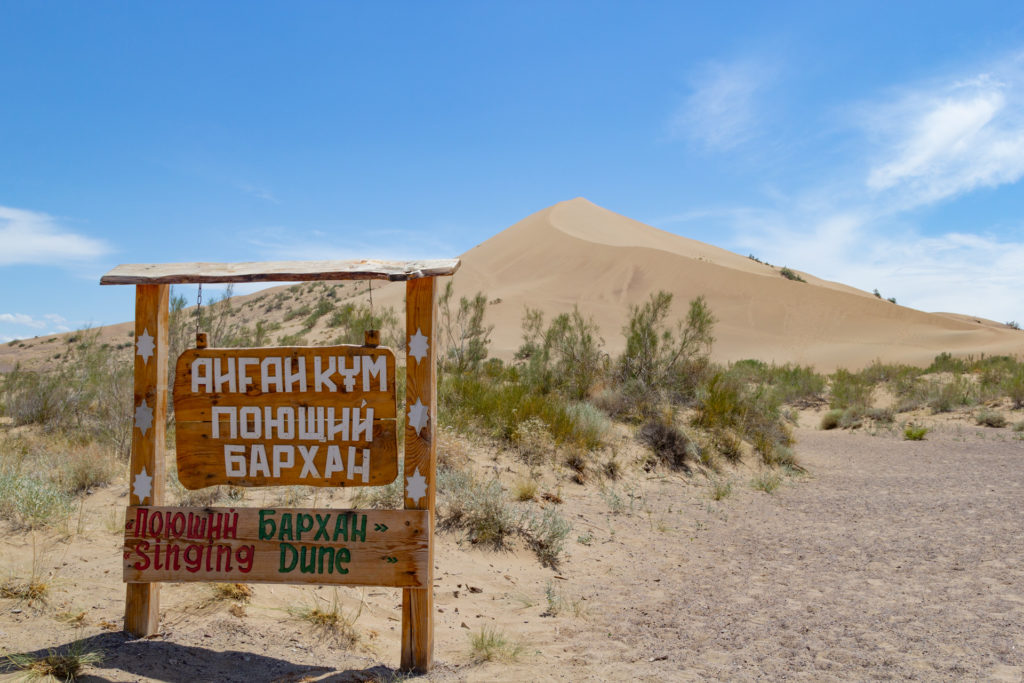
(175, 663)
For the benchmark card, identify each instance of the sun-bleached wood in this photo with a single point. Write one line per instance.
(277, 271)
(394, 552)
(142, 600)
(421, 460)
(201, 457)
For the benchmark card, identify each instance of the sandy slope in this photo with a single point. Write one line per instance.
(576, 253)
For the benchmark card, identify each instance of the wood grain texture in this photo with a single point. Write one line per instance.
(420, 462)
(277, 545)
(277, 271)
(142, 601)
(242, 447)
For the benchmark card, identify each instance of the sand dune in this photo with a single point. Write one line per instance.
(577, 253)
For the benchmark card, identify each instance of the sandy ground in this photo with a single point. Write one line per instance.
(890, 560)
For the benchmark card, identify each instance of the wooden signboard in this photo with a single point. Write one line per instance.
(275, 545)
(322, 416)
(261, 417)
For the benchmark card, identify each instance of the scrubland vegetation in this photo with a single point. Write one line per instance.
(561, 407)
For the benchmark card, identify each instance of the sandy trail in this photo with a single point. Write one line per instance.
(894, 560)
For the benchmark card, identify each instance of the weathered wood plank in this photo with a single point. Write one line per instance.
(146, 466)
(420, 460)
(316, 416)
(276, 545)
(277, 271)
(206, 462)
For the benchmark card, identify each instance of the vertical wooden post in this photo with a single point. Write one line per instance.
(420, 461)
(146, 477)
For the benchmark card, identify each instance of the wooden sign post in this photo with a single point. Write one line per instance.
(262, 417)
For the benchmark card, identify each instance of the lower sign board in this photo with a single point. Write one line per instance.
(274, 545)
(312, 416)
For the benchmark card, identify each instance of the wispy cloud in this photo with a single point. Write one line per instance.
(258, 192)
(50, 322)
(944, 139)
(722, 110)
(285, 243)
(30, 237)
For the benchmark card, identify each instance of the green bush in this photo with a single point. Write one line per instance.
(830, 420)
(669, 443)
(547, 532)
(31, 502)
(566, 357)
(990, 418)
(478, 508)
(791, 275)
(914, 433)
(850, 390)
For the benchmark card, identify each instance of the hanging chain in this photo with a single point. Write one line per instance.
(369, 285)
(199, 306)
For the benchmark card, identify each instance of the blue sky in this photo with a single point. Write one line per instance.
(878, 144)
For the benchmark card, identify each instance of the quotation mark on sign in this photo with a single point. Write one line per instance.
(391, 560)
(380, 527)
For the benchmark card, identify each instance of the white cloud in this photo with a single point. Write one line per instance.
(29, 237)
(21, 319)
(952, 272)
(722, 111)
(942, 140)
(48, 323)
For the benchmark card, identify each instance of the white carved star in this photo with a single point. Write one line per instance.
(418, 416)
(143, 416)
(418, 346)
(143, 486)
(415, 487)
(145, 345)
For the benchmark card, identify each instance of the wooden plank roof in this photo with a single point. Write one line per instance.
(276, 271)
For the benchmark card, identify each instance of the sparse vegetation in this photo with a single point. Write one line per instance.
(990, 418)
(791, 275)
(59, 665)
(328, 617)
(491, 644)
(914, 432)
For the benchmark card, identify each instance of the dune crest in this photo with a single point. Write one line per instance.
(578, 253)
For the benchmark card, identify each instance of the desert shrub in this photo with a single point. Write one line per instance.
(31, 502)
(658, 358)
(668, 442)
(499, 408)
(766, 480)
(533, 441)
(463, 335)
(728, 444)
(352, 320)
(791, 275)
(1013, 386)
(546, 533)
(990, 418)
(943, 397)
(720, 488)
(390, 497)
(914, 432)
(566, 357)
(719, 402)
(1018, 426)
(525, 489)
(885, 415)
(300, 312)
(945, 362)
(478, 508)
(850, 390)
(322, 308)
(830, 420)
(490, 644)
(87, 395)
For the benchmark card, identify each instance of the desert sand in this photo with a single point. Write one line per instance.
(890, 560)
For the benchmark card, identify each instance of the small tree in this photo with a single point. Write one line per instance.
(566, 357)
(657, 358)
(463, 331)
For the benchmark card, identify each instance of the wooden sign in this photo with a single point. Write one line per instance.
(322, 416)
(271, 545)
